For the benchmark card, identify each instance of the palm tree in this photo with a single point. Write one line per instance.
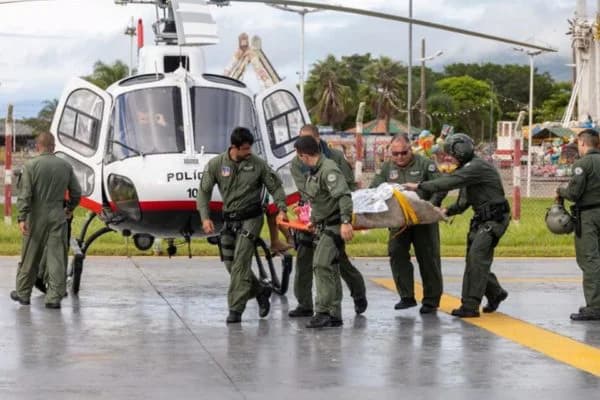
(105, 75)
(384, 88)
(328, 92)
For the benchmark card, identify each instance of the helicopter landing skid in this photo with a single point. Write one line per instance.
(270, 277)
(80, 247)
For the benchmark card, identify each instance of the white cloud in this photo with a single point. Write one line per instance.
(36, 69)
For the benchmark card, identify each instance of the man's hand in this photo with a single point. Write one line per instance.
(311, 227)
(410, 186)
(346, 232)
(443, 211)
(24, 228)
(557, 197)
(207, 226)
(282, 216)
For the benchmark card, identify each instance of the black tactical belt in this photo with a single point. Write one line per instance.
(336, 220)
(493, 211)
(243, 215)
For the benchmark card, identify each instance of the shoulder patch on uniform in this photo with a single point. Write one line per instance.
(431, 168)
(225, 170)
(393, 174)
(331, 178)
(578, 171)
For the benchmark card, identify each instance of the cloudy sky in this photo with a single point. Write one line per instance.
(44, 43)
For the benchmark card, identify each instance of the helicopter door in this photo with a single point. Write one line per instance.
(80, 125)
(281, 114)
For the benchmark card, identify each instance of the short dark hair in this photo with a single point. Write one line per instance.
(45, 140)
(401, 136)
(589, 137)
(241, 136)
(307, 145)
(312, 129)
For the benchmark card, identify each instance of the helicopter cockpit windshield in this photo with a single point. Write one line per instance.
(147, 121)
(215, 113)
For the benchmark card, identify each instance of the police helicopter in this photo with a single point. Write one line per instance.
(139, 148)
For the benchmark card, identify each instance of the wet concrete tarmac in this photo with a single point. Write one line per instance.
(153, 328)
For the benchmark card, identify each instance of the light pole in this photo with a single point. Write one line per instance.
(302, 12)
(423, 101)
(130, 31)
(531, 54)
(409, 94)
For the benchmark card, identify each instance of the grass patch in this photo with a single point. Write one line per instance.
(527, 238)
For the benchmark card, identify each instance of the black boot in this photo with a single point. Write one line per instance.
(427, 309)
(360, 305)
(405, 302)
(300, 312)
(14, 296)
(324, 320)
(463, 312)
(234, 317)
(586, 314)
(493, 304)
(264, 303)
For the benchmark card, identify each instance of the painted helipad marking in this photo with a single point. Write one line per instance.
(553, 345)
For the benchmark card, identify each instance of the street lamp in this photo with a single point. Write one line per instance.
(302, 12)
(422, 100)
(130, 31)
(531, 54)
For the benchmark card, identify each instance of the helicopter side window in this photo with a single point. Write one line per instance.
(79, 125)
(216, 112)
(284, 120)
(147, 121)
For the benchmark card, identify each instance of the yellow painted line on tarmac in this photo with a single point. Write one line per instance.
(553, 345)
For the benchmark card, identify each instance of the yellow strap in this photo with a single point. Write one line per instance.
(409, 212)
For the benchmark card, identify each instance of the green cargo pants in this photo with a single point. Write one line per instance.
(238, 250)
(587, 252)
(478, 280)
(303, 278)
(327, 274)
(47, 234)
(426, 242)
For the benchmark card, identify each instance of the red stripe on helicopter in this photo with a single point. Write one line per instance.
(96, 207)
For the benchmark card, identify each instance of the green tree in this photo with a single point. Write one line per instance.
(384, 88)
(327, 92)
(43, 120)
(553, 108)
(464, 102)
(105, 75)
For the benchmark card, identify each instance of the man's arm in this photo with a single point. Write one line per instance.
(577, 183)
(25, 194)
(274, 186)
(459, 178)
(74, 192)
(431, 174)
(380, 177)
(205, 191)
(460, 206)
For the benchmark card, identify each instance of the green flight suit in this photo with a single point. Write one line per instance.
(331, 203)
(584, 191)
(424, 238)
(241, 185)
(480, 188)
(303, 278)
(44, 182)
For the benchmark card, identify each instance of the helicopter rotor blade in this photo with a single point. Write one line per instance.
(392, 17)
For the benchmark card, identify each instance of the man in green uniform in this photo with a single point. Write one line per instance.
(480, 188)
(331, 217)
(303, 278)
(43, 221)
(241, 178)
(407, 167)
(584, 190)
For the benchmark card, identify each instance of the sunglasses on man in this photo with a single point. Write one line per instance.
(400, 153)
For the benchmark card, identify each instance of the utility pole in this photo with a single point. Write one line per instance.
(131, 32)
(8, 166)
(409, 94)
(423, 102)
